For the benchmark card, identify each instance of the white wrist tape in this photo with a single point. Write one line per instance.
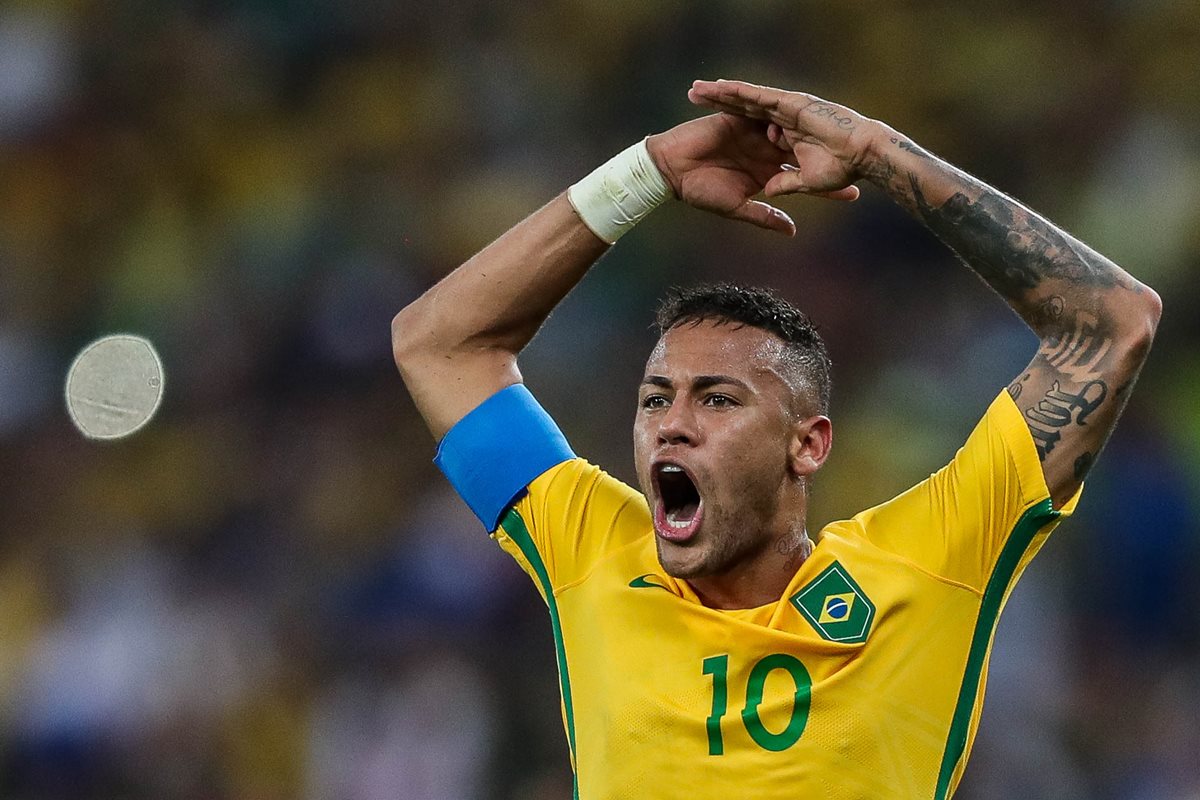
(619, 193)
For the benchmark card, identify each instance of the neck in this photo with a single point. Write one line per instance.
(761, 579)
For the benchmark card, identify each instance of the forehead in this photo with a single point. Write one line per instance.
(710, 348)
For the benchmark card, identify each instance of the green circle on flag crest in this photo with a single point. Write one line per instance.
(836, 606)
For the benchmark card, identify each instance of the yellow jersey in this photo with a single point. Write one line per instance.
(864, 680)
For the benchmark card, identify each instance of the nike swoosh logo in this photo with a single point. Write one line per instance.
(640, 582)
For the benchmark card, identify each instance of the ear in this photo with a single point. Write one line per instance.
(811, 441)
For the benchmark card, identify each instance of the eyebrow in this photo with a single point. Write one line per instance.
(699, 382)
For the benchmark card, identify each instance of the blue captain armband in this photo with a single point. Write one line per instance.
(494, 452)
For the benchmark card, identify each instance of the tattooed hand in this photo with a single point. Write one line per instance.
(830, 144)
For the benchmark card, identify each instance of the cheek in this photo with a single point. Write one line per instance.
(641, 446)
(756, 459)
(641, 435)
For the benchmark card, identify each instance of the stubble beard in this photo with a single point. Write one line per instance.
(723, 547)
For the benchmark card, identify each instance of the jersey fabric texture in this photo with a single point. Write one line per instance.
(864, 680)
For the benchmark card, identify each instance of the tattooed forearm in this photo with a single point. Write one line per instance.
(912, 147)
(883, 172)
(1079, 360)
(1079, 353)
(1094, 320)
(979, 232)
(1082, 465)
(1013, 249)
(1017, 387)
(1059, 408)
(1050, 311)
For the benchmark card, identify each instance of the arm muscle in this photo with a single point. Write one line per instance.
(1094, 319)
(457, 344)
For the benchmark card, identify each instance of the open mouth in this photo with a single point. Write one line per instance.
(679, 508)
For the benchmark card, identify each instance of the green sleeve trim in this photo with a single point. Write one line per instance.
(1032, 521)
(514, 526)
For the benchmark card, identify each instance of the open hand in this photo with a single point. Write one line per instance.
(827, 144)
(719, 162)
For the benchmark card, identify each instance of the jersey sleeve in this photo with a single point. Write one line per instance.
(556, 514)
(570, 518)
(989, 507)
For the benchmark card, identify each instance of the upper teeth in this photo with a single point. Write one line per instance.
(671, 468)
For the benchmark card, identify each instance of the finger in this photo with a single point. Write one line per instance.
(764, 216)
(788, 180)
(846, 194)
(739, 108)
(762, 102)
(776, 137)
(764, 96)
(791, 181)
(786, 109)
(716, 95)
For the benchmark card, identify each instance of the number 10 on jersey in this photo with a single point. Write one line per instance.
(718, 668)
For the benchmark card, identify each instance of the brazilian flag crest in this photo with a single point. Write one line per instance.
(836, 606)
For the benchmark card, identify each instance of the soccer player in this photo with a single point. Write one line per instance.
(707, 645)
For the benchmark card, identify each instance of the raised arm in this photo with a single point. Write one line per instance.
(1095, 320)
(457, 344)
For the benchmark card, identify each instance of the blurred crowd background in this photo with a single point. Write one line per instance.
(271, 593)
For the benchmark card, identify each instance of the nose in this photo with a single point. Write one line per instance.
(678, 424)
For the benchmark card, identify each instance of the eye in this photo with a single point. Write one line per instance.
(716, 400)
(654, 401)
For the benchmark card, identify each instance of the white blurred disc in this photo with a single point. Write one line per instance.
(114, 386)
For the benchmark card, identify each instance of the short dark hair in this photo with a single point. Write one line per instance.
(727, 303)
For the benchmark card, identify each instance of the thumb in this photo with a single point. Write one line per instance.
(848, 194)
(764, 216)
